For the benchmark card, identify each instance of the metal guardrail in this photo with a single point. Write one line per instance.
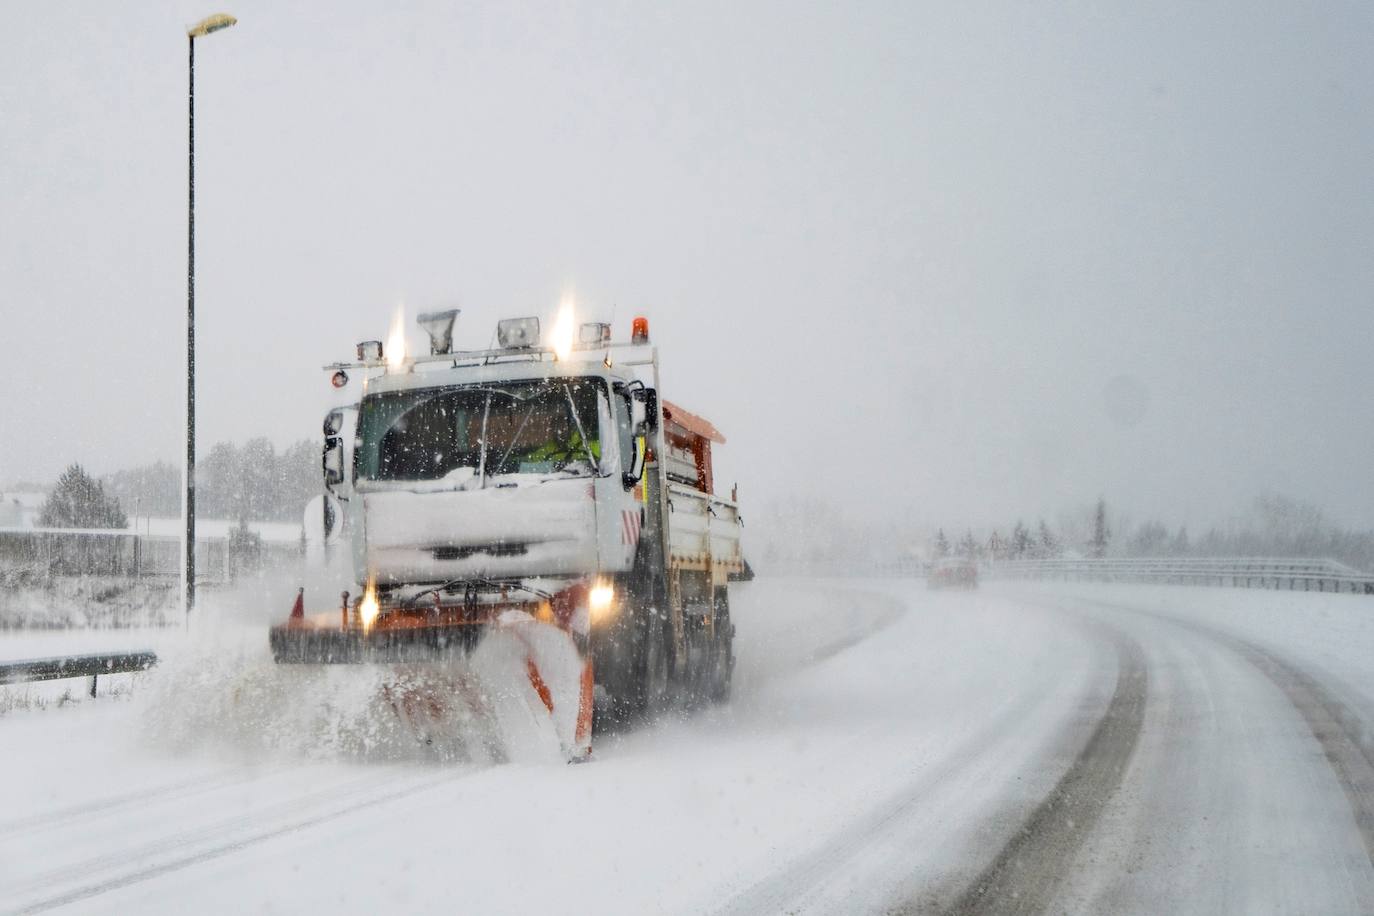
(1237, 572)
(92, 666)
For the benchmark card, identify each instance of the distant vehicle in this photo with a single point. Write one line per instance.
(953, 572)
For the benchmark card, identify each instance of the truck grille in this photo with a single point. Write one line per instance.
(491, 550)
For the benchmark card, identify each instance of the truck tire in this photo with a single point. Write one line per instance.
(647, 688)
(657, 684)
(722, 667)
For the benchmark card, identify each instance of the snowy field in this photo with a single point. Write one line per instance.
(1023, 748)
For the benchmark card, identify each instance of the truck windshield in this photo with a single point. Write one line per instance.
(537, 427)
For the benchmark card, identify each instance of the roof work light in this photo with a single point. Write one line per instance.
(517, 333)
(439, 327)
(370, 351)
(593, 334)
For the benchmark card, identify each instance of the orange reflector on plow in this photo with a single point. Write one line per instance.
(561, 678)
(583, 735)
(538, 683)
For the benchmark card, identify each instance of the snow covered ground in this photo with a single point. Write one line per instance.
(95, 602)
(888, 749)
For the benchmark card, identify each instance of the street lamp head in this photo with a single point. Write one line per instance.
(211, 24)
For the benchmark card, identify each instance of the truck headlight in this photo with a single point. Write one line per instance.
(601, 601)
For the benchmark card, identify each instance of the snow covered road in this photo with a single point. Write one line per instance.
(1026, 748)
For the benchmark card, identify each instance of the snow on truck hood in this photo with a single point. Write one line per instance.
(433, 535)
(464, 479)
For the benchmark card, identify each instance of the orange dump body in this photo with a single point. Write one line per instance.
(689, 439)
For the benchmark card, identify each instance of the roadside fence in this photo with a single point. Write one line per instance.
(1312, 575)
(116, 552)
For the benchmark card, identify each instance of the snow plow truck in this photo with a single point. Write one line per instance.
(531, 529)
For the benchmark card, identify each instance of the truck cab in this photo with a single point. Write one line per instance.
(518, 469)
(537, 471)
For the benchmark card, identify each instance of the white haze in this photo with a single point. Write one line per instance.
(940, 264)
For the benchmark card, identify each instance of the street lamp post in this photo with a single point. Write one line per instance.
(199, 30)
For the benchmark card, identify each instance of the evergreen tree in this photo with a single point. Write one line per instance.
(245, 547)
(941, 545)
(79, 501)
(253, 481)
(1102, 535)
(997, 548)
(1150, 540)
(1181, 547)
(153, 489)
(1049, 544)
(217, 483)
(1020, 541)
(300, 480)
(968, 547)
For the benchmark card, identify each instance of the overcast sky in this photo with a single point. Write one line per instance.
(953, 264)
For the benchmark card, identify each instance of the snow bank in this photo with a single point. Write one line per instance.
(40, 602)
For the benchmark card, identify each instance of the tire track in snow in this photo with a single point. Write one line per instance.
(173, 841)
(1342, 732)
(1337, 728)
(1344, 737)
(215, 834)
(104, 806)
(1027, 872)
(782, 890)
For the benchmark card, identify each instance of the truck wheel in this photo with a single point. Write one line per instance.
(648, 689)
(722, 668)
(658, 666)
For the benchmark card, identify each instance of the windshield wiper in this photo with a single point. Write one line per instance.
(486, 413)
(482, 459)
(581, 432)
(529, 412)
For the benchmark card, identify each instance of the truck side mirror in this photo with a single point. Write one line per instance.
(333, 461)
(333, 423)
(636, 471)
(647, 398)
(638, 416)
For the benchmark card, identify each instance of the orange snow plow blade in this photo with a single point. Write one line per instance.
(514, 677)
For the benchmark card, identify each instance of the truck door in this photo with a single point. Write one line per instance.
(620, 513)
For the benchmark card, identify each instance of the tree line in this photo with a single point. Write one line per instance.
(1273, 526)
(249, 482)
(1023, 543)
